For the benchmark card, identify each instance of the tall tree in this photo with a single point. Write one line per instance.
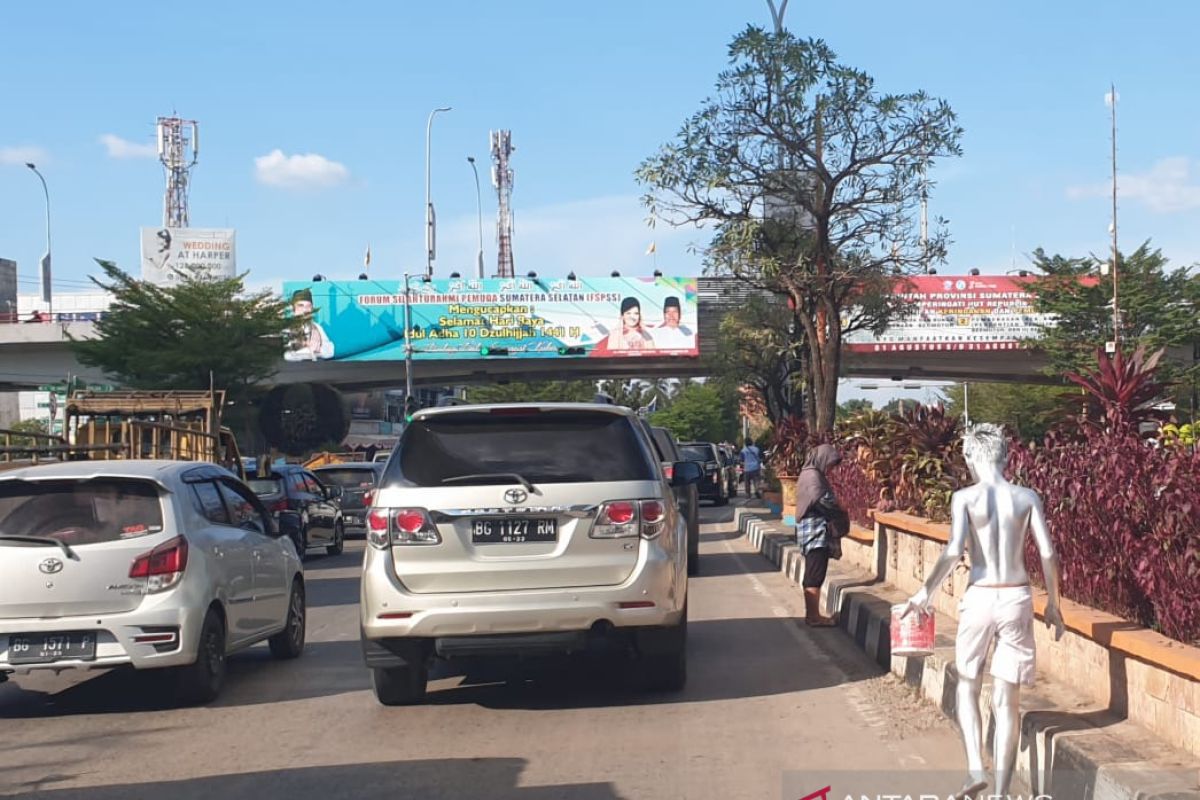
(1159, 306)
(810, 178)
(759, 348)
(700, 411)
(185, 335)
(1026, 410)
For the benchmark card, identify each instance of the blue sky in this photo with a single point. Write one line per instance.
(588, 90)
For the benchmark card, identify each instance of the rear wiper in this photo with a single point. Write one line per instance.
(517, 478)
(43, 540)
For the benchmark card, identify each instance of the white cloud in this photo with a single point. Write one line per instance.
(1167, 187)
(23, 154)
(308, 171)
(123, 148)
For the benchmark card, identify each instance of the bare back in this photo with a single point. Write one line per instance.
(990, 520)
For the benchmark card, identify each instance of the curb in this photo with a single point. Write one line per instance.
(1070, 748)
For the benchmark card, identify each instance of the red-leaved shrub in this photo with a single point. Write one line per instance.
(855, 492)
(1125, 519)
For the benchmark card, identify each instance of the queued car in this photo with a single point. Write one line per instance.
(357, 481)
(686, 495)
(158, 565)
(306, 509)
(731, 463)
(524, 529)
(714, 485)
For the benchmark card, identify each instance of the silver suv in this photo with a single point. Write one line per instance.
(524, 529)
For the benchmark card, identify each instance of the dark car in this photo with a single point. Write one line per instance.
(687, 496)
(731, 463)
(714, 485)
(357, 480)
(307, 509)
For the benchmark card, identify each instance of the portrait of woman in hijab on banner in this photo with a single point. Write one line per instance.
(630, 333)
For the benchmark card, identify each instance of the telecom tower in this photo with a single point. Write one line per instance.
(502, 179)
(176, 139)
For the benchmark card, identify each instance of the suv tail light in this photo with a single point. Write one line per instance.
(278, 505)
(368, 496)
(624, 519)
(163, 566)
(387, 527)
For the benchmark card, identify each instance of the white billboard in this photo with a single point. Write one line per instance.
(166, 252)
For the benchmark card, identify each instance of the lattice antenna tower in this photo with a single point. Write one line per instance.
(178, 150)
(502, 179)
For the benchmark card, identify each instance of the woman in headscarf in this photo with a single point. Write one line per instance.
(631, 335)
(815, 506)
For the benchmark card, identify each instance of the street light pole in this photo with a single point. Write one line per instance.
(408, 349)
(430, 224)
(479, 201)
(47, 293)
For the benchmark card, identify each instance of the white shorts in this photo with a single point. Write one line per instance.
(1004, 614)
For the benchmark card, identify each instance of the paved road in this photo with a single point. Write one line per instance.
(765, 695)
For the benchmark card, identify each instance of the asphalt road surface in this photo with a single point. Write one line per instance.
(765, 696)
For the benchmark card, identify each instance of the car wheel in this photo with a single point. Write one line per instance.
(300, 538)
(400, 686)
(339, 539)
(662, 666)
(200, 682)
(289, 642)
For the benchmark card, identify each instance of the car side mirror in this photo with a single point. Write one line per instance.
(686, 473)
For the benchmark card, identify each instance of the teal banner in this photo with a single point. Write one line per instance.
(364, 320)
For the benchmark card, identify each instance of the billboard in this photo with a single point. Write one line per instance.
(167, 251)
(975, 312)
(515, 317)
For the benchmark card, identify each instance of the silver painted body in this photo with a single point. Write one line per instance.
(246, 573)
(990, 521)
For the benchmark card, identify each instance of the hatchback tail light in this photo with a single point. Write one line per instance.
(163, 566)
(669, 471)
(387, 527)
(278, 505)
(625, 519)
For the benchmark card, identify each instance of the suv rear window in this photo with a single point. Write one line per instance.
(80, 512)
(348, 478)
(541, 446)
(697, 452)
(262, 486)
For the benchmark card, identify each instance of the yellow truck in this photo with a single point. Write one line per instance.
(174, 425)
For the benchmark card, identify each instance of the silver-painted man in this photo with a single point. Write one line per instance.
(990, 520)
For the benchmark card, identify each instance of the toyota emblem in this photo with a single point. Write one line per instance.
(50, 566)
(516, 496)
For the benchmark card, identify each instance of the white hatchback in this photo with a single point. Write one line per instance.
(154, 564)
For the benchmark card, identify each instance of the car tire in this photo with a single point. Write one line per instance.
(200, 682)
(339, 539)
(300, 539)
(289, 642)
(400, 686)
(665, 668)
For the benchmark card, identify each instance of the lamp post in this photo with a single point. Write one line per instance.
(408, 349)
(47, 294)
(430, 223)
(479, 202)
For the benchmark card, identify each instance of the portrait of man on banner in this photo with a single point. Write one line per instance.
(311, 342)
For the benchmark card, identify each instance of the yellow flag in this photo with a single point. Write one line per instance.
(653, 248)
(367, 257)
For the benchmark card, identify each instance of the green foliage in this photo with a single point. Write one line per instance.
(1160, 307)
(299, 418)
(156, 337)
(841, 167)
(854, 407)
(1185, 435)
(700, 412)
(533, 392)
(759, 347)
(28, 426)
(1026, 410)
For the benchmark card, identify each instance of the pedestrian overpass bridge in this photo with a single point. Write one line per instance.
(34, 354)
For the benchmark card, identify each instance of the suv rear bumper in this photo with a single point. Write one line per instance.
(538, 613)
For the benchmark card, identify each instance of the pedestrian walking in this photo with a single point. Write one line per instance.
(820, 524)
(751, 468)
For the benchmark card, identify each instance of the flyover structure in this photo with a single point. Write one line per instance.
(928, 344)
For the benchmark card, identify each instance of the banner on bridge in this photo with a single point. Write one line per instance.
(974, 312)
(364, 320)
